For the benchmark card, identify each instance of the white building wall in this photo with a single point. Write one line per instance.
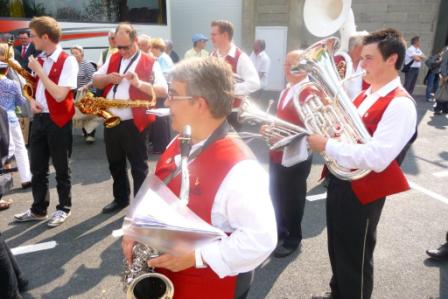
(195, 16)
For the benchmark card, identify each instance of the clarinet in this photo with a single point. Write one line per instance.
(185, 147)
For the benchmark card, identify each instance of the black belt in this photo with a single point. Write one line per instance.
(42, 115)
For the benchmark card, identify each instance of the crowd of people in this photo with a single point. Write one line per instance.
(260, 213)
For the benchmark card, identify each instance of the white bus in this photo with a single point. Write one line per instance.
(87, 22)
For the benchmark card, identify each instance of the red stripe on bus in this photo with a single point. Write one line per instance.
(70, 36)
(6, 26)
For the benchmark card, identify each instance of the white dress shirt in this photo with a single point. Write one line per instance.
(68, 78)
(242, 207)
(262, 63)
(245, 69)
(412, 51)
(395, 129)
(123, 88)
(353, 86)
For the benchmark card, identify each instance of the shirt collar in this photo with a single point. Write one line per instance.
(55, 55)
(231, 52)
(386, 89)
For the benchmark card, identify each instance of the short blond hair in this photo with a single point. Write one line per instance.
(46, 25)
(158, 43)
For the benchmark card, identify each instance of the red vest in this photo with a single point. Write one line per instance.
(207, 172)
(60, 112)
(289, 114)
(144, 72)
(233, 61)
(377, 185)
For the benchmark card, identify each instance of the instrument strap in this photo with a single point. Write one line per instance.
(134, 58)
(219, 133)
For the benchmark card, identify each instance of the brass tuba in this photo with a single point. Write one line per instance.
(325, 108)
(98, 106)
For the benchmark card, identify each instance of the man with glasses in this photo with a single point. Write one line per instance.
(229, 188)
(246, 76)
(128, 74)
(51, 132)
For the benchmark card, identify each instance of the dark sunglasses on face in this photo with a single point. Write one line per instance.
(123, 47)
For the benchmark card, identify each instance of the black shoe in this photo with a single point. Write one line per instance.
(285, 250)
(440, 253)
(26, 185)
(22, 285)
(325, 295)
(114, 207)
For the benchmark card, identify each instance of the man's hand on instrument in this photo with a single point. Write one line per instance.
(317, 142)
(132, 78)
(115, 78)
(35, 66)
(127, 245)
(265, 131)
(35, 107)
(174, 263)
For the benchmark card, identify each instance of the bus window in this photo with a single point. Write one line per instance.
(138, 11)
(17, 8)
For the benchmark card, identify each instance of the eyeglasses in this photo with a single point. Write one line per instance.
(124, 47)
(172, 97)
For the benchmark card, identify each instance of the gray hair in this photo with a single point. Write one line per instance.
(79, 48)
(356, 39)
(209, 78)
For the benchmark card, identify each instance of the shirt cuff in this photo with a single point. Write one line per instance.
(331, 148)
(211, 255)
(199, 263)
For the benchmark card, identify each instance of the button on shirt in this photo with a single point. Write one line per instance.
(123, 88)
(246, 70)
(68, 76)
(412, 51)
(242, 207)
(393, 132)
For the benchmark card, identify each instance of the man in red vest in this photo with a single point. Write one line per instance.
(354, 207)
(51, 132)
(288, 169)
(128, 74)
(246, 76)
(228, 188)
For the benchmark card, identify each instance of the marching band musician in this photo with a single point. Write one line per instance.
(228, 188)
(354, 207)
(354, 85)
(51, 132)
(288, 176)
(248, 80)
(128, 75)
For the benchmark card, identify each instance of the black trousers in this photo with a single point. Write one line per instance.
(351, 229)
(125, 141)
(288, 192)
(410, 78)
(47, 141)
(10, 274)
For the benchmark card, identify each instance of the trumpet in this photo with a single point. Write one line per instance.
(98, 106)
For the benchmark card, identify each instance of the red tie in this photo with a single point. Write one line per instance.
(23, 51)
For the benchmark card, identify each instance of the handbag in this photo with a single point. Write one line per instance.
(407, 66)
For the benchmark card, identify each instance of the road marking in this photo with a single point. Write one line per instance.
(428, 192)
(440, 174)
(33, 248)
(316, 196)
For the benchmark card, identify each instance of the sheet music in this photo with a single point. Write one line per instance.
(158, 218)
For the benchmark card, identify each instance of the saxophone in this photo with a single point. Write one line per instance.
(98, 106)
(29, 87)
(139, 280)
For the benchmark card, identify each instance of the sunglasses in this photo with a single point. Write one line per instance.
(124, 47)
